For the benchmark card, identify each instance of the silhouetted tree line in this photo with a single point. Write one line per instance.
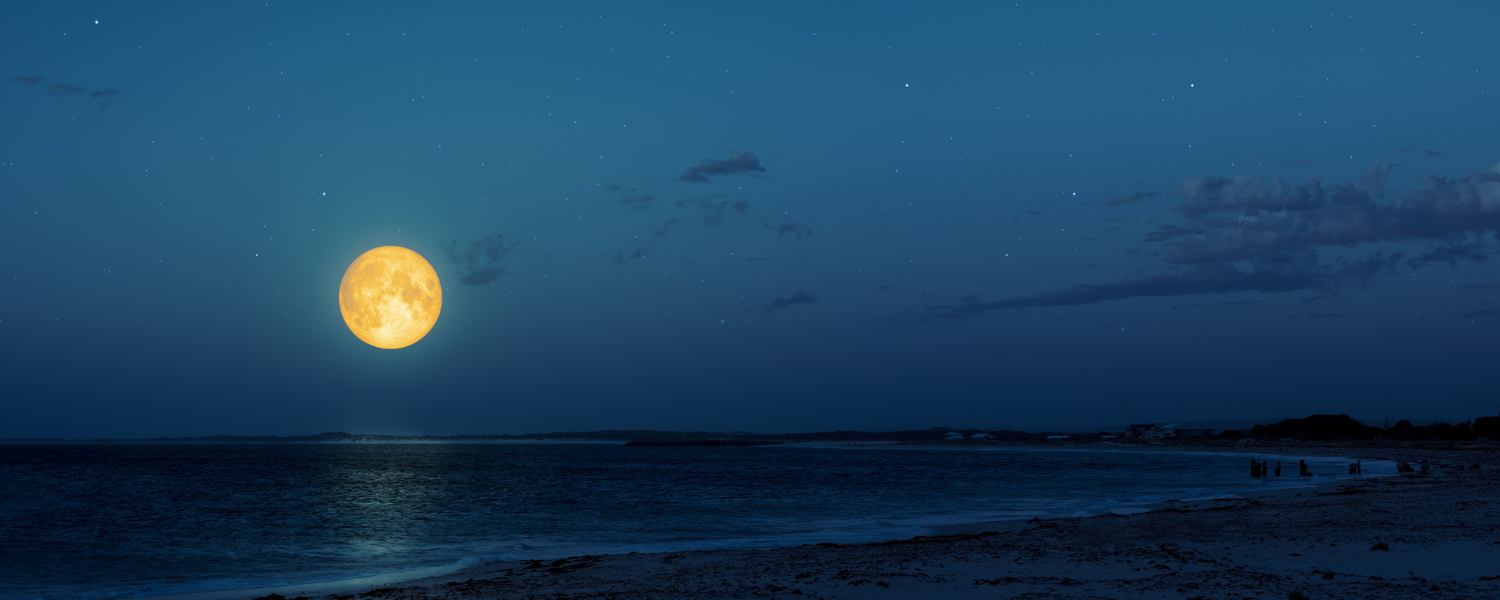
(1344, 427)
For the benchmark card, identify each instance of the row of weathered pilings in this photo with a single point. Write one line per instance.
(1261, 468)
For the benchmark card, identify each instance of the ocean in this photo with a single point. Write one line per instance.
(130, 520)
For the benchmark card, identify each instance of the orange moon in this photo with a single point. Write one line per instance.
(390, 297)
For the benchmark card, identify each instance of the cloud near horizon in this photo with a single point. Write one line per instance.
(1240, 235)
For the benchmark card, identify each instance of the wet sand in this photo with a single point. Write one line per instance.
(1433, 535)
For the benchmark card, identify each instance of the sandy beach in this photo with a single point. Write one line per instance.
(1432, 535)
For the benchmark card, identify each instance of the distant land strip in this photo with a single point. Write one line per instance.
(1324, 428)
(613, 435)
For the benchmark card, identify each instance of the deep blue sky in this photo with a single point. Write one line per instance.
(971, 214)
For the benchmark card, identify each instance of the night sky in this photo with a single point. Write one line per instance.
(770, 217)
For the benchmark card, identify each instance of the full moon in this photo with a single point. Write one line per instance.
(390, 297)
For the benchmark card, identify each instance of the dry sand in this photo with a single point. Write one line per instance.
(1434, 535)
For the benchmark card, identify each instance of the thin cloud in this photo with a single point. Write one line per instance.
(714, 210)
(740, 161)
(665, 228)
(800, 297)
(63, 89)
(1373, 179)
(641, 252)
(107, 96)
(479, 260)
(1131, 199)
(1451, 255)
(638, 204)
(1151, 286)
(483, 276)
(790, 229)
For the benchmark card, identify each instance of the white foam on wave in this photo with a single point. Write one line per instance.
(224, 589)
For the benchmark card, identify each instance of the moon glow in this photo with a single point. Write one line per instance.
(390, 297)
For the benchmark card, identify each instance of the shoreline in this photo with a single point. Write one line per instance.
(410, 582)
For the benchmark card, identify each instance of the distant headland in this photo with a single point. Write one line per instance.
(1319, 428)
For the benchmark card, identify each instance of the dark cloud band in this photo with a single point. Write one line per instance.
(739, 162)
(479, 260)
(1241, 235)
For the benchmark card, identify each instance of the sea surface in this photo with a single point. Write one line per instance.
(123, 520)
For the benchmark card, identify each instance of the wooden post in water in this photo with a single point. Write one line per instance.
(1254, 468)
(1302, 465)
(1359, 469)
(1278, 468)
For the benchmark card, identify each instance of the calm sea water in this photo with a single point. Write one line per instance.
(138, 520)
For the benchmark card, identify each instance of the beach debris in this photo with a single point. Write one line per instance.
(1403, 467)
(1380, 546)
(1424, 465)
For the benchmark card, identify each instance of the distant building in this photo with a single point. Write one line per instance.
(1059, 437)
(953, 435)
(981, 436)
(1186, 432)
(1143, 432)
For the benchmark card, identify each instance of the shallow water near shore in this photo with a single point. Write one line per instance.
(100, 521)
